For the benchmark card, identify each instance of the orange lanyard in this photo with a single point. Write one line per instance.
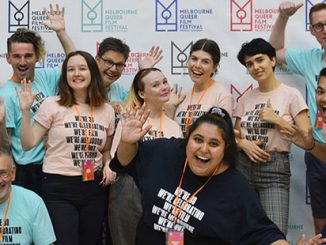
(88, 136)
(188, 115)
(5, 217)
(176, 211)
(161, 122)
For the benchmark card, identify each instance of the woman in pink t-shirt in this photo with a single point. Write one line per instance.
(79, 124)
(260, 114)
(203, 62)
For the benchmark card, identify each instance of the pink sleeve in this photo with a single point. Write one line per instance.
(297, 104)
(44, 115)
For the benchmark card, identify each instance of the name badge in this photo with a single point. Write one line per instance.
(319, 120)
(88, 171)
(174, 238)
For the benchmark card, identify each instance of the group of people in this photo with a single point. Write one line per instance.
(179, 170)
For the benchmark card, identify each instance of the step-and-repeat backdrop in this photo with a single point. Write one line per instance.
(174, 25)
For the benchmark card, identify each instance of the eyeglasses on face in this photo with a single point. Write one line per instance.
(110, 63)
(4, 174)
(319, 27)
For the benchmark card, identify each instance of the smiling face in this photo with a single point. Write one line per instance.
(321, 97)
(109, 73)
(156, 88)
(22, 58)
(7, 175)
(319, 17)
(260, 66)
(201, 67)
(205, 149)
(78, 74)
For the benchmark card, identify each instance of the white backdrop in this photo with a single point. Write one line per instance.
(173, 25)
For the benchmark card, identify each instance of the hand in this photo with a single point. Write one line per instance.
(151, 59)
(268, 114)
(253, 151)
(26, 97)
(55, 21)
(301, 138)
(312, 241)
(132, 122)
(176, 96)
(288, 9)
(2, 111)
(109, 176)
(117, 106)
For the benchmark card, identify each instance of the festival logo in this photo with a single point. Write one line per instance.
(37, 18)
(241, 15)
(92, 16)
(116, 20)
(237, 94)
(179, 57)
(309, 4)
(246, 17)
(166, 17)
(18, 15)
(51, 60)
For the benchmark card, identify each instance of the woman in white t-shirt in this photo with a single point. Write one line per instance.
(260, 114)
(79, 123)
(151, 87)
(203, 61)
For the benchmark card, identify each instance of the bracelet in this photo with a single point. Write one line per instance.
(313, 146)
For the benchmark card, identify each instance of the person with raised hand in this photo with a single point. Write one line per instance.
(190, 188)
(307, 62)
(149, 88)
(260, 114)
(24, 49)
(80, 125)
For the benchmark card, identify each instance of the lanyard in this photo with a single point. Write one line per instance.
(161, 122)
(5, 217)
(88, 136)
(176, 211)
(188, 114)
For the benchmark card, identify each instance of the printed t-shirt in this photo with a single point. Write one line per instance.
(44, 85)
(28, 221)
(286, 101)
(216, 95)
(66, 145)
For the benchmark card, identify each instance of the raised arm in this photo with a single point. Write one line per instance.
(4, 142)
(30, 135)
(56, 22)
(132, 123)
(277, 37)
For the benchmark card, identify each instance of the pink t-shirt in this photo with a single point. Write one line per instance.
(66, 142)
(324, 130)
(169, 129)
(217, 95)
(287, 103)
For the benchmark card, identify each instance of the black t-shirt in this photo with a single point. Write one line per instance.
(226, 211)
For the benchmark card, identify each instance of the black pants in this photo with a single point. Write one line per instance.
(29, 176)
(76, 208)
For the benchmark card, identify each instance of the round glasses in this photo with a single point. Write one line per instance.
(319, 27)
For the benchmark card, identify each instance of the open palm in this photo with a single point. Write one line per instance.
(26, 97)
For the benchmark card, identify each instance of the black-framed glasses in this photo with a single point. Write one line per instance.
(319, 27)
(110, 63)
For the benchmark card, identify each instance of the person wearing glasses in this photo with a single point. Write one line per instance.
(24, 217)
(307, 63)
